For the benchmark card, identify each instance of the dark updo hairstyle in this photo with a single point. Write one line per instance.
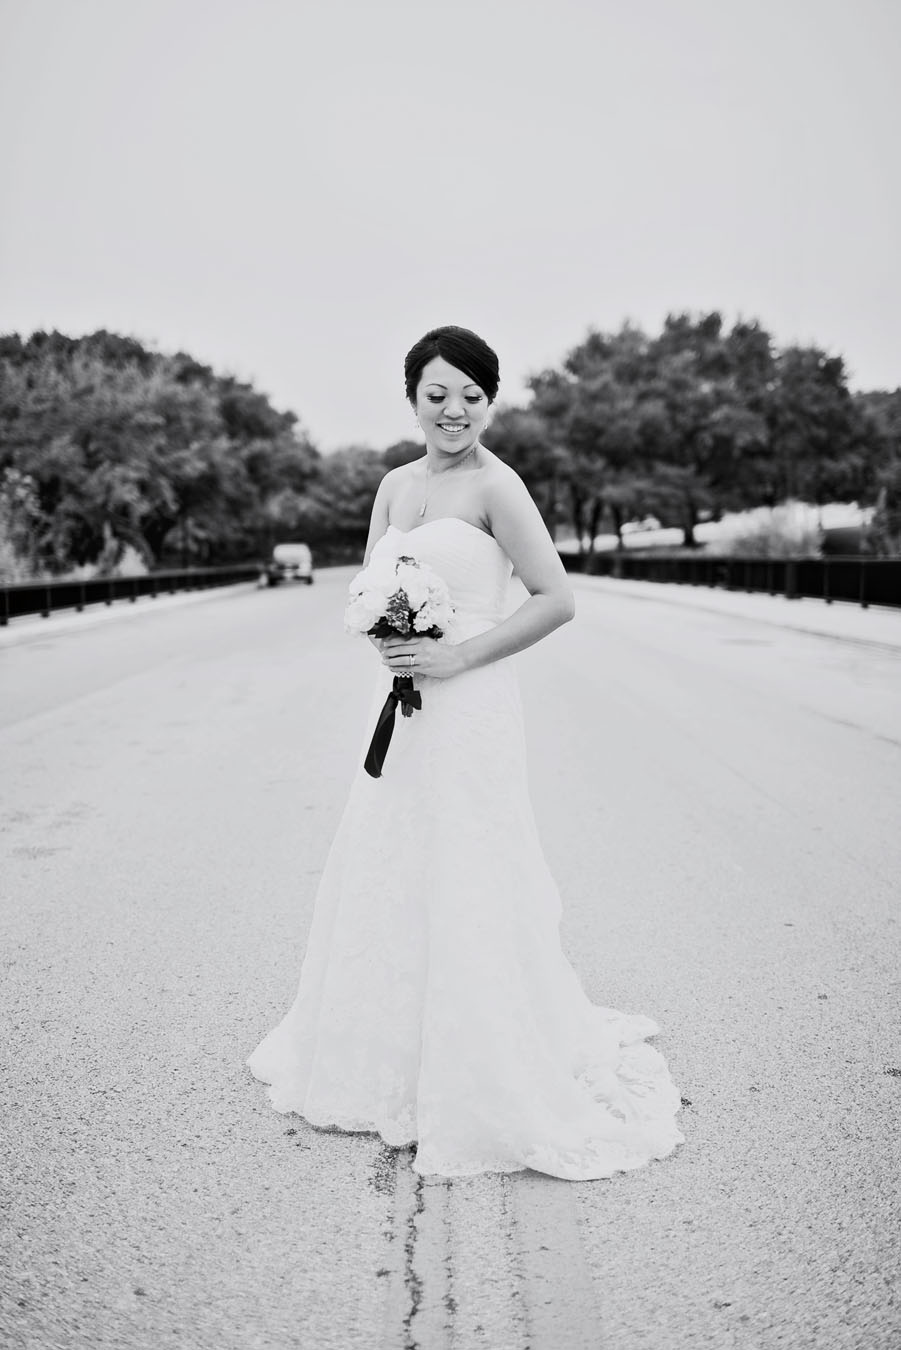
(462, 349)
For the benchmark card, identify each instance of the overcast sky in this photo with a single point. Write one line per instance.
(295, 191)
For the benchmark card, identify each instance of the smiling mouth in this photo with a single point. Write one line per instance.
(452, 428)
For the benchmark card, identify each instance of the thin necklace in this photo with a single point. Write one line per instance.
(428, 469)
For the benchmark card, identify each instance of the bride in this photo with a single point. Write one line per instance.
(435, 1004)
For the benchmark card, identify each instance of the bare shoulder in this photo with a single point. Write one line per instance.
(403, 473)
(502, 487)
(518, 526)
(392, 483)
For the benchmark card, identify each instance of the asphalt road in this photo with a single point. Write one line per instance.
(719, 800)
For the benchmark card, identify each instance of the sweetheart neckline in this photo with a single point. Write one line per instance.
(438, 520)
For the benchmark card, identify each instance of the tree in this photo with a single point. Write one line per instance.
(20, 516)
(817, 436)
(522, 438)
(335, 509)
(880, 413)
(402, 452)
(593, 413)
(132, 447)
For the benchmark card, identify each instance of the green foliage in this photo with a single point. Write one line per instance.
(522, 438)
(402, 452)
(818, 447)
(114, 456)
(694, 422)
(19, 518)
(128, 448)
(332, 514)
(881, 414)
(777, 532)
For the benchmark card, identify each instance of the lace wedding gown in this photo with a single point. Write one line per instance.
(435, 1004)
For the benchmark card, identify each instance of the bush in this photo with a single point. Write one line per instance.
(19, 511)
(777, 532)
(13, 567)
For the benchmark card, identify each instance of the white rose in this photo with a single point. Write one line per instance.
(358, 584)
(380, 574)
(414, 584)
(424, 619)
(355, 617)
(363, 611)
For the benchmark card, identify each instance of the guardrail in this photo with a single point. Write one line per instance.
(865, 581)
(41, 597)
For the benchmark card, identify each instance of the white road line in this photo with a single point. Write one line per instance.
(494, 1261)
(560, 1296)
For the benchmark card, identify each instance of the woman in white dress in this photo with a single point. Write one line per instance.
(435, 1004)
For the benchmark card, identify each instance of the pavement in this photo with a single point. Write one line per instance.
(34, 627)
(875, 625)
(718, 797)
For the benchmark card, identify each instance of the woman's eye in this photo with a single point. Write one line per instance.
(435, 398)
(473, 398)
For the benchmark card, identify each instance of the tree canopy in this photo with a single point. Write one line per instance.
(692, 422)
(107, 446)
(118, 445)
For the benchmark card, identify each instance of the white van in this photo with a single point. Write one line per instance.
(290, 562)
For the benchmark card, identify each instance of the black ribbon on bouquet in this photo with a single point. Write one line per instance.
(402, 693)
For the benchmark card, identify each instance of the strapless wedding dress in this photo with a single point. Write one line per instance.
(435, 1004)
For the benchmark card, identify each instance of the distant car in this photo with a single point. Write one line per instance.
(637, 526)
(290, 562)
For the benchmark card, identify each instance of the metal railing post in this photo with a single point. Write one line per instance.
(791, 579)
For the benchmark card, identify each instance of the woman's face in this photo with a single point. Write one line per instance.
(452, 411)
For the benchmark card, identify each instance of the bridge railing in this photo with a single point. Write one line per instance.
(865, 581)
(42, 597)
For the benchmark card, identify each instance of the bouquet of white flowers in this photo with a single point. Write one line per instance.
(396, 596)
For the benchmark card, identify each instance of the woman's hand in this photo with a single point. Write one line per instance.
(439, 660)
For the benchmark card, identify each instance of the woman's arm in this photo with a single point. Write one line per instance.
(378, 520)
(378, 524)
(517, 526)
